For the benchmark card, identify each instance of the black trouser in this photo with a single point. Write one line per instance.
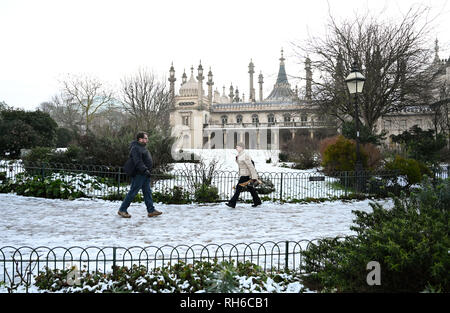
(243, 179)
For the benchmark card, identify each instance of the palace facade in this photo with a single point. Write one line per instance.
(203, 118)
(215, 120)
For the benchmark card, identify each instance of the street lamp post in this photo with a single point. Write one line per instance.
(355, 83)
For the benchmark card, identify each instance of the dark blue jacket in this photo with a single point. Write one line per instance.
(139, 160)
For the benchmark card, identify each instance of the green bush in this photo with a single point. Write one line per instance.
(412, 170)
(35, 186)
(341, 156)
(283, 157)
(422, 145)
(24, 130)
(200, 276)
(176, 195)
(206, 193)
(410, 241)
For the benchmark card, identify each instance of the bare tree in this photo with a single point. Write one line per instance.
(147, 100)
(391, 55)
(88, 93)
(66, 113)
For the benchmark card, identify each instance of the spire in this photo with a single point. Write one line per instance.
(282, 88)
(260, 82)
(210, 83)
(282, 58)
(251, 71)
(183, 78)
(231, 95)
(308, 78)
(236, 95)
(436, 51)
(282, 77)
(172, 80)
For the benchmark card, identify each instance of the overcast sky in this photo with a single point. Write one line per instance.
(43, 40)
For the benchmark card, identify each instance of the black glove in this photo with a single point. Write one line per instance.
(147, 173)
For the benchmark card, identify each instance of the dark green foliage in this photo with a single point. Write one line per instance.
(24, 130)
(205, 193)
(176, 195)
(341, 156)
(365, 134)
(64, 137)
(422, 145)
(410, 241)
(110, 150)
(410, 169)
(160, 146)
(206, 276)
(35, 186)
(283, 157)
(107, 150)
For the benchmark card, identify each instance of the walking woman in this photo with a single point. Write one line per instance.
(248, 176)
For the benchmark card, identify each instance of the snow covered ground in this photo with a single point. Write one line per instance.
(40, 222)
(29, 221)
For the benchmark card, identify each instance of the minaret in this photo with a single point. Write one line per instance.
(251, 71)
(172, 80)
(260, 82)
(236, 95)
(183, 78)
(200, 84)
(210, 84)
(308, 95)
(436, 51)
(231, 95)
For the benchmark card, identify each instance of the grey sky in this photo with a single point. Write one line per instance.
(43, 40)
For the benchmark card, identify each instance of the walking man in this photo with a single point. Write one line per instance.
(138, 166)
(248, 175)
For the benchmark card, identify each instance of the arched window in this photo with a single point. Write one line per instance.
(303, 119)
(287, 117)
(255, 119)
(239, 119)
(224, 119)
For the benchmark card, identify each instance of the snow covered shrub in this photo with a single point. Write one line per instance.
(201, 276)
(411, 170)
(35, 186)
(409, 241)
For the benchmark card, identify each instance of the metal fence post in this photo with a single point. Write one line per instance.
(286, 256)
(281, 187)
(114, 260)
(346, 182)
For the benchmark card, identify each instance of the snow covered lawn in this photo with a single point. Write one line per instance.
(37, 222)
(29, 221)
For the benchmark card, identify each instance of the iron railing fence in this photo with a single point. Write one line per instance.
(19, 264)
(108, 181)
